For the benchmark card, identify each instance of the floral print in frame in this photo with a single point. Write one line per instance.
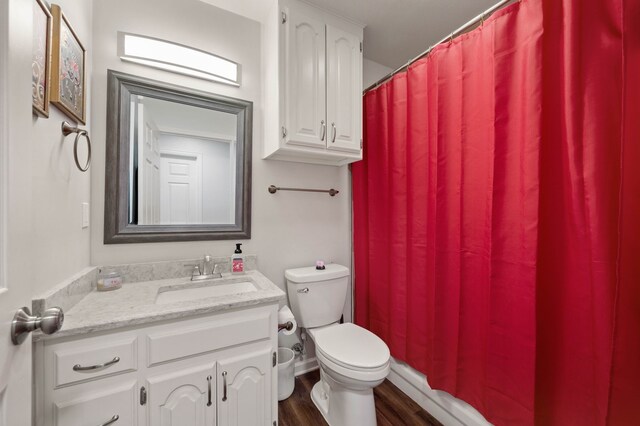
(41, 66)
(68, 61)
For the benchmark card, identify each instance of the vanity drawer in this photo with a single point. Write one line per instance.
(90, 359)
(206, 335)
(98, 407)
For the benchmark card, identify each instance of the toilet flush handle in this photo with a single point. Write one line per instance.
(304, 290)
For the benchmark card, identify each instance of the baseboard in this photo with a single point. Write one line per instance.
(449, 410)
(305, 365)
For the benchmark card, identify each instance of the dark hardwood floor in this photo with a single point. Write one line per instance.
(393, 407)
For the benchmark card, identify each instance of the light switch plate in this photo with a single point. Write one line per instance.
(85, 215)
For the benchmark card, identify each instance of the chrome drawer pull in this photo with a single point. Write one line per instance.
(324, 130)
(209, 391)
(224, 386)
(333, 139)
(78, 367)
(112, 421)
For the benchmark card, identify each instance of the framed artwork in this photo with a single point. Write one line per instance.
(41, 64)
(68, 61)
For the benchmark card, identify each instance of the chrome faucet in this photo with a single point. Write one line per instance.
(207, 265)
(209, 270)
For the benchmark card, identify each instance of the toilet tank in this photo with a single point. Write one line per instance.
(317, 296)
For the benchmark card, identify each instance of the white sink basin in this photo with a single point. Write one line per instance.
(173, 295)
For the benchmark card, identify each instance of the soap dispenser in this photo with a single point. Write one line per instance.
(237, 260)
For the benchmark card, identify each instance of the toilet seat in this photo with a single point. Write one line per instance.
(352, 351)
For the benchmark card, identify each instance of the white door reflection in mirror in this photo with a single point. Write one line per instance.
(180, 193)
(184, 164)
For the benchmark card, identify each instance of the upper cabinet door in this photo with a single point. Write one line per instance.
(344, 90)
(305, 84)
(244, 389)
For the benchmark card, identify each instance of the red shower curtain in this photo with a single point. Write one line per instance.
(497, 214)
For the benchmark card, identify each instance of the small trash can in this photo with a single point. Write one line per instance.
(286, 378)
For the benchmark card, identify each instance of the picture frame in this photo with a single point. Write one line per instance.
(41, 62)
(68, 68)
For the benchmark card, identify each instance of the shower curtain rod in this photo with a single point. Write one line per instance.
(478, 19)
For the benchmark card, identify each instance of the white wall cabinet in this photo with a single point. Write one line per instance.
(313, 85)
(344, 90)
(306, 87)
(205, 371)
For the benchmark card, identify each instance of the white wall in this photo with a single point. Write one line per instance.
(46, 189)
(289, 229)
(372, 72)
(60, 247)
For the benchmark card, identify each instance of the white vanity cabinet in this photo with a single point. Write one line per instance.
(234, 389)
(110, 405)
(243, 390)
(313, 85)
(217, 369)
(182, 397)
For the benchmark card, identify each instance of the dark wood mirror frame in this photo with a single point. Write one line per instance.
(117, 229)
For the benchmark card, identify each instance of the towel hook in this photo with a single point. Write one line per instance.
(67, 129)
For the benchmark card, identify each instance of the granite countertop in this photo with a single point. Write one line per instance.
(134, 304)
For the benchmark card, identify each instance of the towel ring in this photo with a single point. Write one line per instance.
(67, 129)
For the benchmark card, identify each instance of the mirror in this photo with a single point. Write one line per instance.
(183, 163)
(178, 164)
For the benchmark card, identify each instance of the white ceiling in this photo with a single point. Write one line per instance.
(174, 116)
(399, 30)
(396, 30)
(252, 9)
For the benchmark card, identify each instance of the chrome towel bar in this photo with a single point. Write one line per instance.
(273, 189)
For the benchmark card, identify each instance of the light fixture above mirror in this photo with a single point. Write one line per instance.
(177, 58)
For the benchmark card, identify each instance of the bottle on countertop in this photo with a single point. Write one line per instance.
(237, 260)
(108, 280)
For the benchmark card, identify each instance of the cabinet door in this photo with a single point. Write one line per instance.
(183, 398)
(344, 90)
(244, 389)
(305, 85)
(96, 406)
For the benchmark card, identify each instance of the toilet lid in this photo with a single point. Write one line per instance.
(351, 345)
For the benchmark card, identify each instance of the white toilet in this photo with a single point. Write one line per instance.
(352, 360)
